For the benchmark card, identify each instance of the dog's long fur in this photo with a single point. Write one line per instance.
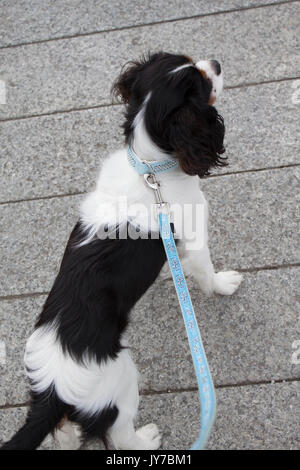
(77, 359)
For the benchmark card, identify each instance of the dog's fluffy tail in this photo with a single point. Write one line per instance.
(43, 417)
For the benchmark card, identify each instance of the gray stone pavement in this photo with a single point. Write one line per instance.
(255, 139)
(78, 72)
(41, 20)
(58, 60)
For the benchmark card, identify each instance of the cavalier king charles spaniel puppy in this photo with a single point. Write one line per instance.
(82, 378)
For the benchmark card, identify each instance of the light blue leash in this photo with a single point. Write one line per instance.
(204, 379)
(205, 383)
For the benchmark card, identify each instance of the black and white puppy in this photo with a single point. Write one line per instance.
(77, 359)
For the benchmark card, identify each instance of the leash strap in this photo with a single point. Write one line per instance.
(203, 375)
(204, 379)
(205, 383)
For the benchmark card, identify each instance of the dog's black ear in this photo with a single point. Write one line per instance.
(122, 87)
(196, 135)
(168, 97)
(180, 121)
(132, 75)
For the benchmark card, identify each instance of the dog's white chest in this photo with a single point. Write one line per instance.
(122, 195)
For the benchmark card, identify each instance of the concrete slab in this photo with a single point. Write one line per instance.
(259, 228)
(256, 136)
(11, 419)
(76, 73)
(17, 318)
(60, 154)
(47, 223)
(256, 417)
(40, 20)
(248, 213)
(248, 337)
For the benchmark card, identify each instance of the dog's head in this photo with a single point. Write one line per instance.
(174, 97)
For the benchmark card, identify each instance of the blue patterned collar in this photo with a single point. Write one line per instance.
(153, 167)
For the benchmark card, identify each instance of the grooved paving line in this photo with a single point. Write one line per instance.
(248, 418)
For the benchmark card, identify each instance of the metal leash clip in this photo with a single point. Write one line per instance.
(161, 206)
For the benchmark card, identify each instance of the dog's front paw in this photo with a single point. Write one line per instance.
(227, 282)
(149, 437)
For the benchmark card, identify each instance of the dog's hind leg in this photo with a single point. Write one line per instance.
(122, 434)
(68, 435)
(124, 437)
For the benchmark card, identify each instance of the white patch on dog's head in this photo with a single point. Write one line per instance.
(212, 70)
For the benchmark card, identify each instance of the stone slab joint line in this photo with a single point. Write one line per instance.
(186, 390)
(242, 270)
(110, 104)
(80, 193)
